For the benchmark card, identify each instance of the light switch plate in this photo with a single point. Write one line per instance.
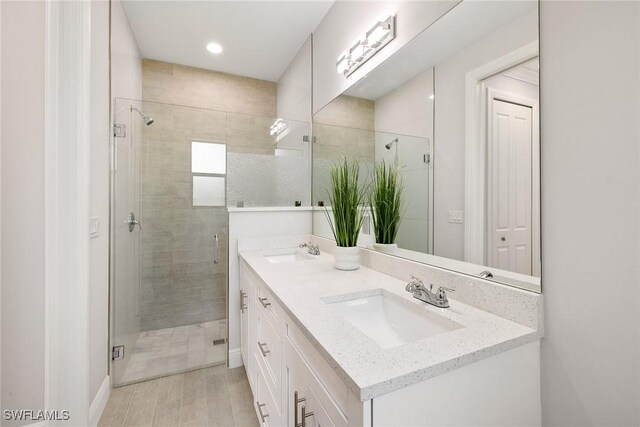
(455, 217)
(94, 227)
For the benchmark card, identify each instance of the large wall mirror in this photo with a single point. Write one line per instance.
(457, 110)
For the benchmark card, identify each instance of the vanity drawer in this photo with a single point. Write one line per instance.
(265, 404)
(334, 386)
(268, 350)
(270, 309)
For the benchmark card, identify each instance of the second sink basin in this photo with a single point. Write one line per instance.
(388, 319)
(292, 256)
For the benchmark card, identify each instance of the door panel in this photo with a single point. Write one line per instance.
(510, 187)
(126, 243)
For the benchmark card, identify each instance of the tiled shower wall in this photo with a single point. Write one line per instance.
(344, 127)
(180, 284)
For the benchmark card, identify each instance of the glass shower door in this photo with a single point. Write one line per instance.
(169, 240)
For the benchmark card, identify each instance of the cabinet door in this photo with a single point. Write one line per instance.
(248, 329)
(297, 392)
(265, 402)
(244, 319)
(304, 408)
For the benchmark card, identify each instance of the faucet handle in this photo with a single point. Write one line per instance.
(416, 280)
(441, 294)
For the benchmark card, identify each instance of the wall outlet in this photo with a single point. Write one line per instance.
(455, 217)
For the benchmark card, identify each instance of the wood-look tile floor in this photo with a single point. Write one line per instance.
(211, 397)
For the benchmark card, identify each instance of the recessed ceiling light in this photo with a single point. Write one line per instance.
(214, 48)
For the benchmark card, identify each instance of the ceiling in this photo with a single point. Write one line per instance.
(259, 38)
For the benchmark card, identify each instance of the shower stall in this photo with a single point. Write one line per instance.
(175, 170)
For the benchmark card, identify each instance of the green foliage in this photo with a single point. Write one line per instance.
(386, 202)
(347, 200)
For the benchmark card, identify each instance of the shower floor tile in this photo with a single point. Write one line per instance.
(174, 350)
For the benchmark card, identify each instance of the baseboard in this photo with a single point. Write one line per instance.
(99, 402)
(235, 358)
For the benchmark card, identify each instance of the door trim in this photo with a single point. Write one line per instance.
(475, 148)
(498, 95)
(67, 203)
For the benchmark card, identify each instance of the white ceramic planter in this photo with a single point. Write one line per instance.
(388, 248)
(347, 258)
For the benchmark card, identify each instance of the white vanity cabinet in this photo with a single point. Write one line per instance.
(282, 365)
(294, 386)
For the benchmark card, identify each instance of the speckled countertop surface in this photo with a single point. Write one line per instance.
(302, 289)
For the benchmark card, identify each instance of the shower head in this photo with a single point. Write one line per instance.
(388, 146)
(147, 120)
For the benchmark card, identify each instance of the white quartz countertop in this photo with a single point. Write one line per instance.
(301, 288)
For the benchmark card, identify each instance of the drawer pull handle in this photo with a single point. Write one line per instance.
(265, 303)
(296, 402)
(262, 416)
(243, 306)
(305, 415)
(264, 350)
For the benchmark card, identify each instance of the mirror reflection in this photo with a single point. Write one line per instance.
(456, 111)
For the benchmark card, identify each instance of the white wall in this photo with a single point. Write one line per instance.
(513, 86)
(126, 61)
(449, 154)
(294, 103)
(346, 21)
(294, 86)
(22, 204)
(408, 110)
(252, 223)
(100, 154)
(590, 82)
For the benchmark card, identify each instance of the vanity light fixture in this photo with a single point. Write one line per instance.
(277, 127)
(374, 40)
(214, 47)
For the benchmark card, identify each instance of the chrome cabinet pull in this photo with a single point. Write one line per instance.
(216, 249)
(305, 415)
(296, 402)
(243, 306)
(262, 350)
(265, 303)
(262, 416)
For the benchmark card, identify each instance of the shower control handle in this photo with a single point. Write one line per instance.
(132, 222)
(216, 249)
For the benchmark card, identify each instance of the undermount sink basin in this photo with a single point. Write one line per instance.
(292, 256)
(388, 319)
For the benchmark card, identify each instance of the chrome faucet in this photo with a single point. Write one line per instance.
(311, 248)
(437, 298)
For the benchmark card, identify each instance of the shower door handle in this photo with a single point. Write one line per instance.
(216, 249)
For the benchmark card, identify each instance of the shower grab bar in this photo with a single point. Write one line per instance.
(216, 249)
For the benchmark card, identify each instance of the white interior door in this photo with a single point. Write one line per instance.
(509, 176)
